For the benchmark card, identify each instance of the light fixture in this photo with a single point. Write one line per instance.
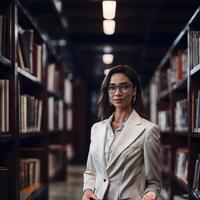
(108, 26)
(109, 9)
(107, 58)
(58, 5)
(106, 71)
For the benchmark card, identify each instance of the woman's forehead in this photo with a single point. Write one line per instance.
(118, 78)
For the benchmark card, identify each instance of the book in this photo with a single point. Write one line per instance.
(2, 35)
(181, 164)
(26, 45)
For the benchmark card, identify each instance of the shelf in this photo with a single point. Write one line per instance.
(6, 137)
(53, 94)
(28, 78)
(177, 40)
(58, 132)
(44, 37)
(5, 66)
(4, 62)
(182, 86)
(195, 72)
(180, 133)
(32, 192)
(195, 135)
(164, 94)
(32, 135)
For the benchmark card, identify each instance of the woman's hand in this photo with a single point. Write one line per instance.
(89, 195)
(149, 196)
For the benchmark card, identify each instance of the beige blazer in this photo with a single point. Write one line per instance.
(133, 168)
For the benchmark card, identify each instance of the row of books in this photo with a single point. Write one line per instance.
(4, 105)
(57, 158)
(175, 73)
(181, 115)
(2, 34)
(30, 115)
(181, 164)
(55, 114)
(29, 172)
(68, 91)
(69, 119)
(194, 47)
(32, 57)
(197, 114)
(53, 78)
(164, 120)
(178, 63)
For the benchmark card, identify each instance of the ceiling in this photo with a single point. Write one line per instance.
(145, 29)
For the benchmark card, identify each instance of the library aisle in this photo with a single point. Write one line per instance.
(71, 189)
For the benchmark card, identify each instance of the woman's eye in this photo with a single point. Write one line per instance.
(111, 87)
(125, 86)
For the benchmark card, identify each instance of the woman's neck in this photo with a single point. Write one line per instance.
(120, 116)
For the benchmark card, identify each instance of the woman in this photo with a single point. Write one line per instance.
(123, 160)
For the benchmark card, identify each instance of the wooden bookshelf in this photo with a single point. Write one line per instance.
(25, 138)
(179, 97)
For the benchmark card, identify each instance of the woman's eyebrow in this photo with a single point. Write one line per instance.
(119, 83)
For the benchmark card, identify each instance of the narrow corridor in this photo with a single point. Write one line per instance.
(71, 189)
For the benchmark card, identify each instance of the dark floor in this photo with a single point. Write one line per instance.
(71, 189)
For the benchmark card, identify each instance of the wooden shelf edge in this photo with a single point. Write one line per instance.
(195, 135)
(29, 78)
(164, 94)
(58, 132)
(4, 61)
(32, 192)
(28, 135)
(5, 137)
(54, 94)
(180, 86)
(181, 133)
(195, 70)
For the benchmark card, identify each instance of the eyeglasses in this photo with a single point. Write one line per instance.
(123, 87)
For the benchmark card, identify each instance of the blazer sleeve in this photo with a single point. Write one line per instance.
(152, 160)
(89, 175)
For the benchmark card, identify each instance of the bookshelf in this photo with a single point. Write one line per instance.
(35, 97)
(176, 84)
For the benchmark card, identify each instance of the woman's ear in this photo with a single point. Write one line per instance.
(134, 91)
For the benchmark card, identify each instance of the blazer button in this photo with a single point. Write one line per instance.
(104, 180)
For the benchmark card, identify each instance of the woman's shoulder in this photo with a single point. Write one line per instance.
(99, 124)
(148, 124)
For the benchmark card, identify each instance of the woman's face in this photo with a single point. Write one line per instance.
(121, 91)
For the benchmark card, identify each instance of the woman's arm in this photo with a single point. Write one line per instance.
(89, 176)
(152, 163)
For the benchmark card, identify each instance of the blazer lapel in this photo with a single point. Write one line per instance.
(100, 141)
(131, 131)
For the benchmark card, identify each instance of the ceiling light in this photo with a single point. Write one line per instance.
(58, 5)
(107, 58)
(109, 9)
(106, 71)
(108, 26)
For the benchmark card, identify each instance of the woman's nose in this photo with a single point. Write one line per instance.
(117, 91)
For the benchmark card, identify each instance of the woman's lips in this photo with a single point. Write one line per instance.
(118, 100)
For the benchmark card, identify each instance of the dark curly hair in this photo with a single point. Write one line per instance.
(104, 107)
